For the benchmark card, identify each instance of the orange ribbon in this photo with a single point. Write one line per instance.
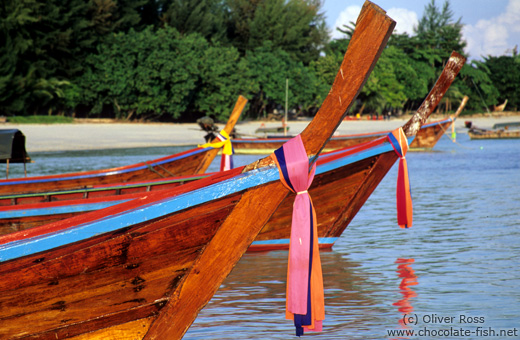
(403, 193)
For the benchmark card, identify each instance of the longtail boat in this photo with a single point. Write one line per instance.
(346, 170)
(189, 162)
(426, 138)
(509, 130)
(143, 269)
(345, 179)
(431, 132)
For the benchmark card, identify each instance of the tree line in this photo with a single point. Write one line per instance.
(168, 60)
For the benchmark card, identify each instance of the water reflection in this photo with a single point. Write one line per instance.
(406, 272)
(252, 300)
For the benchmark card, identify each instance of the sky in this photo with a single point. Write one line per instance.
(491, 27)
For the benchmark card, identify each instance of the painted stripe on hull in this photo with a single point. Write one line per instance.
(437, 123)
(59, 209)
(97, 174)
(143, 213)
(170, 205)
(283, 244)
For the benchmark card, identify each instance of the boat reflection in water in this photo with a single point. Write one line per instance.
(252, 300)
(406, 272)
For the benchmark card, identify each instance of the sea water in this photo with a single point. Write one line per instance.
(453, 275)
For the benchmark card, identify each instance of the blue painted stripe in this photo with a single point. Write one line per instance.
(285, 241)
(140, 214)
(108, 173)
(170, 205)
(437, 123)
(72, 208)
(259, 141)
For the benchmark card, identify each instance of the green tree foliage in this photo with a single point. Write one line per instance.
(437, 32)
(267, 69)
(144, 73)
(34, 55)
(45, 44)
(160, 75)
(474, 81)
(221, 80)
(206, 17)
(296, 26)
(180, 59)
(383, 90)
(504, 72)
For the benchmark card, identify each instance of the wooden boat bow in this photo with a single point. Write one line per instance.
(256, 205)
(191, 237)
(450, 71)
(373, 25)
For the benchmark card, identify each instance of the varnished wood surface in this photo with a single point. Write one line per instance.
(185, 166)
(426, 138)
(158, 271)
(115, 273)
(195, 161)
(350, 191)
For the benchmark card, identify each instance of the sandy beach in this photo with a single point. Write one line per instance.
(89, 136)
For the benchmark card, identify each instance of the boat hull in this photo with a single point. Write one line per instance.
(339, 195)
(500, 134)
(341, 188)
(425, 139)
(429, 135)
(117, 281)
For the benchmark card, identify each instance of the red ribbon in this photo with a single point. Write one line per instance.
(403, 194)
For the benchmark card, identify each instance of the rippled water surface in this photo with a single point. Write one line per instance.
(459, 262)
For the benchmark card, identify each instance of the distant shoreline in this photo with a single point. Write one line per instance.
(95, 135)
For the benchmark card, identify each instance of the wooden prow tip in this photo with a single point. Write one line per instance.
(461, 107)
(371, 34)
(232, 120)
(235, 114)
(443, 83)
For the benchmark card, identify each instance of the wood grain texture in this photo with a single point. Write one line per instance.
(256, 205)
(202, 242)
(428, 136)
(450, 71)
(195, 161)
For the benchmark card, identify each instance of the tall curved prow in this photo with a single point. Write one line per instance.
(373, 29)
(233, 119)
(450, 71)
(384, 162)
(256, 205)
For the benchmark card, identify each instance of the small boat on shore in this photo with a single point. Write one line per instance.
(145, 268)
(510, 130)
(189, 162)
